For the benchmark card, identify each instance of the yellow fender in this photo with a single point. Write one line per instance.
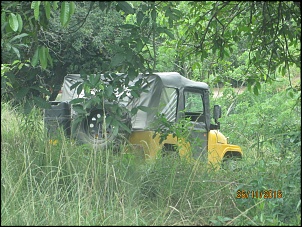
(218, 147)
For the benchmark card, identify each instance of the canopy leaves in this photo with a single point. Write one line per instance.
(212, 41)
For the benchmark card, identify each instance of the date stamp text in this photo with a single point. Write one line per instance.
(257, 194)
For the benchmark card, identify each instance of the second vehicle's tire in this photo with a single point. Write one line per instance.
(91, 130)
(232, 164)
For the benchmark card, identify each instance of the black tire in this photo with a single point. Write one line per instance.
(91, 131)
(231, 163)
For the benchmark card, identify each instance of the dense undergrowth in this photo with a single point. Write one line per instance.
(67, 184)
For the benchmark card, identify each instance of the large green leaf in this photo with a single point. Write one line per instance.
(43, 57)
(139, 45)
(255, 89)
(79, 109)
(64, 15)
(3, 17)
(43, 90)
(72, 8)
(124, 126)
(75, 85)
(115, 124)
(126, 7)
(18, 37)
(20, 23)
(80, 88)
(129, 26)
(28, 106)
(139, 17)
(47, 9)
(109, 90)
(21, 93)
(77, 100)
(95, 79)
(49, 57)
(153, 15)
(134, 111)
(35, 5)
(88, 104)
(55, 5)
(71, 11)
(13, 22)
(35, 58)
(166, 31)
(16, 51)
(41, 103)
(118, 59)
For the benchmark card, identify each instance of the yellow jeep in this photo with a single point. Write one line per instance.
(168, 94)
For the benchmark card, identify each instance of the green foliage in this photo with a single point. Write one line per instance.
(268, 127)
(13, 22)
(66, 12)
(266, 199)
(11, 88)
(21, 38)
(210, 41)
(214, 36)
(106, 92)
(272, 117)
(163, 127)
(67, 184)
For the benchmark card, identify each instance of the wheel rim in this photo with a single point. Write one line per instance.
(231, 164)
(95, 128)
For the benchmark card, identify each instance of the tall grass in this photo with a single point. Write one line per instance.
(69, 184)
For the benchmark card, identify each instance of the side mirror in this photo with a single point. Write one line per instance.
(217, 112)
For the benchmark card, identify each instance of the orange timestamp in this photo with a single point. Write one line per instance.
(265, 194)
